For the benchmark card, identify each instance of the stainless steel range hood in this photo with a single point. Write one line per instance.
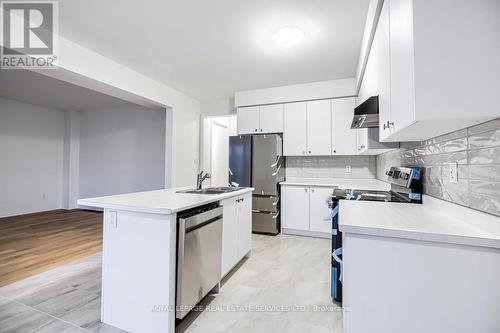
(366, 114)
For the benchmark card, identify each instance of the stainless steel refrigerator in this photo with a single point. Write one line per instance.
(257, 161)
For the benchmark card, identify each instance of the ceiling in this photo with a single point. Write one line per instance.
(211, 49)
(31, 87)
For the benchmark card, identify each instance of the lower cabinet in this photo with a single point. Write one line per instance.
(236, 230)
(318, 209)
(304, 208)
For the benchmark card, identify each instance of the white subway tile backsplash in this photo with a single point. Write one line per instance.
(331, 167)
(475, 149)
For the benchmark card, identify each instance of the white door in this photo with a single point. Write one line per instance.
(219, 159)
(271, 118)
(402, 64)
(244, 225)
(319, 131)
(229, 235)
(248, 120)
(318, 209)
(343, 137)
(295, 129)
(381, 39)
(295, 207)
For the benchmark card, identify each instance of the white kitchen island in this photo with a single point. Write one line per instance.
(419, 268)
(139, 252)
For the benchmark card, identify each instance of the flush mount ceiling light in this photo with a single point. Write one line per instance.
(288, 36)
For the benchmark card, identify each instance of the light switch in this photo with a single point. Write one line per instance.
(113, 218)
(454, 172)
(347, 169)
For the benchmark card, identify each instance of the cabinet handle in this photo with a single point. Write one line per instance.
(305, 189)
(388, 125)
(255, 130)
(309, 151)
(312, 190)
(335, 152)
(303, 152)
(261, 129)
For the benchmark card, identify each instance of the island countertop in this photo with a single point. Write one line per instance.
(167, 201)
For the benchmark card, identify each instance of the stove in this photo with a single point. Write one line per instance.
(406, 187)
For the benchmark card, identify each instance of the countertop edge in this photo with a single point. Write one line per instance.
(91, 202)
(421, 236)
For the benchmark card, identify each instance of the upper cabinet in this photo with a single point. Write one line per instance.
(248, 120)
(343, 137)
(260, 119)
(307, 128)
(319, 130)
(295, 129)
(433, 71)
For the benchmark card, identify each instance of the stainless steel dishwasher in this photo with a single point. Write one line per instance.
(199, 255)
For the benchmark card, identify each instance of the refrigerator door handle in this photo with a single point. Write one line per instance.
(276, 202)
(276, 216)
(277, 170)
(276, 163)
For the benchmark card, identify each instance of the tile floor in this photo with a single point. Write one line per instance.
(279, 289)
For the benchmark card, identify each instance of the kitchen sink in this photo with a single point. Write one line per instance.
(212, 190)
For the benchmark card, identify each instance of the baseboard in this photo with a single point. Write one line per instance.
(306, 233)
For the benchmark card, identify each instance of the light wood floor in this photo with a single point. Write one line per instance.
(34, 243)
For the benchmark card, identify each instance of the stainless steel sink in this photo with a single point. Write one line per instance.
(212, 190)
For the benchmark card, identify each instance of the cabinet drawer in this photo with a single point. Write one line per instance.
(265, 222)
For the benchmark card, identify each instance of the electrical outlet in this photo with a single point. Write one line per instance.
(347, 169)
(454, 172)
(113, 218)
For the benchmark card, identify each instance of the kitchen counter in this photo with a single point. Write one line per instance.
(166, 201)
(342, 183)
(435, 221)
(140, 249)
(403, 262)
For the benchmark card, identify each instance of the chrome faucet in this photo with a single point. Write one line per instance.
(200, 178)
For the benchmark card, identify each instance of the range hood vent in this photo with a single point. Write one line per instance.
(366, 114)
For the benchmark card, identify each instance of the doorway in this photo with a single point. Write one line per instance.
(217, 131)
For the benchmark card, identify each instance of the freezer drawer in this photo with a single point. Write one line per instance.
(265, 203)
(265, 222)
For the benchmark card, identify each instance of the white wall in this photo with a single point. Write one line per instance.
(218, 107)
(31, 158)
(121, 150)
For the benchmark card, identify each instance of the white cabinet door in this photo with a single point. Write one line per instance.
(361, 140)
(382, 41)
(271, 118)
(319, 209)
(402, 63)
(319, 130)
(343, 137)
(294, 129)
(244, 225)
(230, 228)
(248, 120)
(295, 207)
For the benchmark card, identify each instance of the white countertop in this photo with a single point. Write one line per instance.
(166, 201)
(435, 220)
(342, 183)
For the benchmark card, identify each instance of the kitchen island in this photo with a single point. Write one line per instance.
(419, 268)
(139, 251)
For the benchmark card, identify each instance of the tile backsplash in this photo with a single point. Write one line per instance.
(331, 167)
(477, 152)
